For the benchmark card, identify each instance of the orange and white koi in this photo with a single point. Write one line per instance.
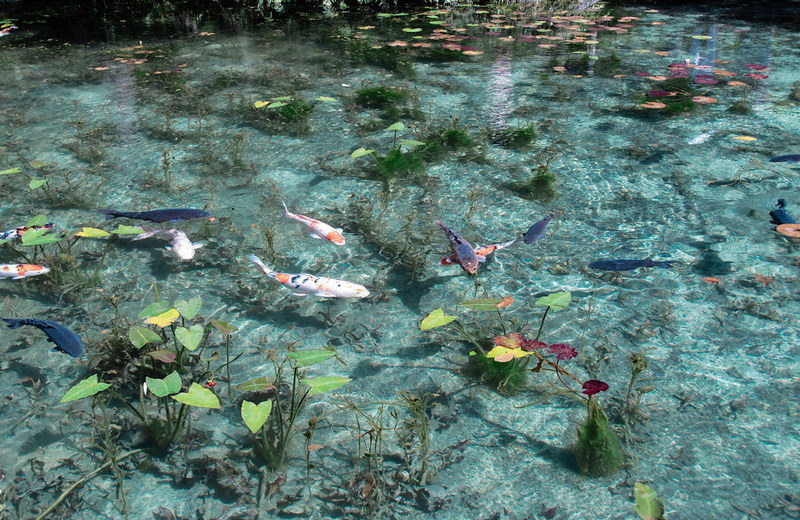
(480, 252)
(317, 229)
(305, 284)
(462, 250)
(181, 246)
(6, 30)
(17, 232)
(19, 271)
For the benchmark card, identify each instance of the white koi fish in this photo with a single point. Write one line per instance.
(304, 284)
(181, 246)
(700, 139)
(317, 229)
(19, 271)
(17, 232)
(480, 252)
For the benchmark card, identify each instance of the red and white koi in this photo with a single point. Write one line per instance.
(462, 250)
(17, 232)
(6, 30)
(480, 252)
(317, 229)
(181, 246)
(305, 284)
(19, 271)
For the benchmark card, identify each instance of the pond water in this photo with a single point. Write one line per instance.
(645, 134)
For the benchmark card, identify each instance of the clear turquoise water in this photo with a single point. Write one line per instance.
(719, 435)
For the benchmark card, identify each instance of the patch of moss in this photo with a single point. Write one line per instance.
(678, 103)
(398, 164)
(507, 378)
(607, 66)
(290, 118)
(380, 97)
(391, 58)
(516, 138)
(741, 108)
(577, 63)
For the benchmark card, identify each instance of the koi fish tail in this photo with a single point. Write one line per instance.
(14, 323)
(264, 269)
(286, 213)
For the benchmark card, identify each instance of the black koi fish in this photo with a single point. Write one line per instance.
(158, 215)
(66, 341)
(792, 158)
(779, 215)
(464, 252)
(627, 265)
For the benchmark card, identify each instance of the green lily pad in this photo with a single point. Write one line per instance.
(311, 357)
(38, 220)
(190, 338)
(37, 183)
(255, 415)
(90, 232)
(85, 388)
(556, 301)
(166, 386)
(140, 336)
(198, 396)
(435, 319)
(396, 127)
(320, 385)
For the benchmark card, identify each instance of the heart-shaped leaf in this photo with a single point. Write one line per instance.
(259, 384)
(483, 304)
(189, 309)
(85, 388)
(10, 171)
(435, 319)
(198, 396)
(311, 357)
(140, 336)
(154, 309)
(38, 237)
(224, 327)
(165, 356)
(190, 338)
(361, 152)
(648, 505)
(38, 220)
(164, 319)
(36, 183)
(90, 232)
(127, 230)
(255, 415)
(320, 385)
(166, 386)
(556, 301)
(396, 127)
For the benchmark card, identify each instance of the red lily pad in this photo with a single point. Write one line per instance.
(594, 386)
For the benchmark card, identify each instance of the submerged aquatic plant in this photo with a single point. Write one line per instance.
(273, 420)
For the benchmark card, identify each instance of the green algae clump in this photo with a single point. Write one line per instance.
(597, 449)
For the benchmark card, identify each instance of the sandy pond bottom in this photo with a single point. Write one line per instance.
(173, 122)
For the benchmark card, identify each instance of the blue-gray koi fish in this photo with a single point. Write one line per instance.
(66, 341)
(536, 231)
(627, 265)
(158, 215)
(792, 158)
(464, 252)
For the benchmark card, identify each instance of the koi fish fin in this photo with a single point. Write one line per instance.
(264, 269)
(340, 230)
(19, 277)
(286, 212)
(313, 235)
(324, 294)
(481, 258)
(198, 245)
(299, 294)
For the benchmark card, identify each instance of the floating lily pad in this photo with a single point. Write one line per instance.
(435, 319)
